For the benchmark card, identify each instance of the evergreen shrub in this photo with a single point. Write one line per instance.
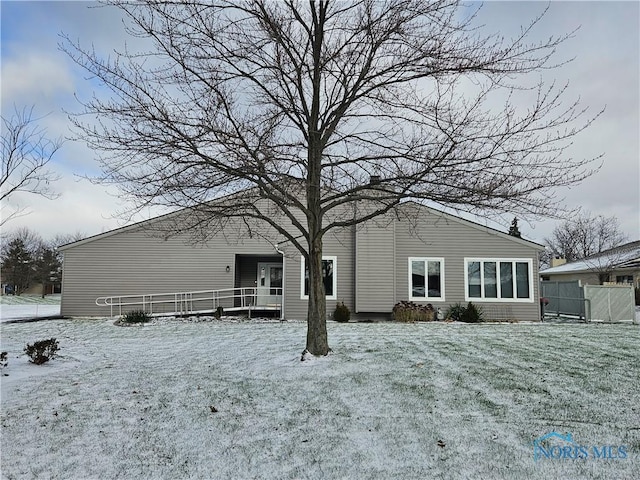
(342, 313)
(136, 316)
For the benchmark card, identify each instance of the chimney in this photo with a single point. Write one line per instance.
(556, 262)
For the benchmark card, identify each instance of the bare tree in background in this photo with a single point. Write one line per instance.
(26, 153)
(596, 239)
(334, 112)
(584, 236)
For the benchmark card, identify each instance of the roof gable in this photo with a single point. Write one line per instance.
(476, 226)
(431, 210)
(622, 256)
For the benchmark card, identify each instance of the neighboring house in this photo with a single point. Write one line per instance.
(415, 253)
(38, 289)
(617, 265)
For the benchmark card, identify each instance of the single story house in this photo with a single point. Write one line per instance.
(425, 256)
(619, 265)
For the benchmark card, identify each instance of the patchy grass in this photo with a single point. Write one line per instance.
(29, 300)
(232, 400)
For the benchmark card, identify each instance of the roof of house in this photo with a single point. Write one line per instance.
(432, 210)
(622, 256)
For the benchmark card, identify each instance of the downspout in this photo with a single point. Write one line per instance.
(283, 280)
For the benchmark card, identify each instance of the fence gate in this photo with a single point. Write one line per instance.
(565, 298)
(611, 303)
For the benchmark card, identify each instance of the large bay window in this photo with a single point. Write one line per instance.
(426, 279)
(502, 279)
(329, 272)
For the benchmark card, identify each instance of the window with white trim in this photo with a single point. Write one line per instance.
(329, 277)
(624, 279)
(500, 280)
(426, 279)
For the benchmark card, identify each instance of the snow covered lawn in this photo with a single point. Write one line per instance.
(232, 400)
(20, 307)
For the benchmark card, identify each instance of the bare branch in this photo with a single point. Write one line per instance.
(26, 152)
(585, 235)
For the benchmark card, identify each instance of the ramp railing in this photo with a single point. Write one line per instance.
(203, 301)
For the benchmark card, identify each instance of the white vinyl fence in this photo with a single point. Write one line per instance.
(610, 303)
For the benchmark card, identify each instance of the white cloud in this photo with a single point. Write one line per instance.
(82, 207)
(34, 74)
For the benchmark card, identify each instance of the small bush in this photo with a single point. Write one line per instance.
(136, 316)
(455, 312)
(342, 313)
(472, 314)
(3, 359)
(461, 313)
(409, 312)
(42, 351)
(219, 312)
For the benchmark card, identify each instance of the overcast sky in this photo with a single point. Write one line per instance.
(605, 73)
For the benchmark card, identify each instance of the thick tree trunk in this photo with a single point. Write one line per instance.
(317, 341)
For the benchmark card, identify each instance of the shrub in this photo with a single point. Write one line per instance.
(461, 313)
(42, 351)
(472, 314)
(455, 312)
(136, 316)
(409, 312)
(219, 312)
(341, 313)
(3, 359)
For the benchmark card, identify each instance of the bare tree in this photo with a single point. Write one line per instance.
(26, 152)
(585, 235)
(334, 112)
(31, 240)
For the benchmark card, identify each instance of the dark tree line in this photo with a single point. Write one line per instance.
(27, 260)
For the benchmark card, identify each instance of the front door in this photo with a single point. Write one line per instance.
(269, 291)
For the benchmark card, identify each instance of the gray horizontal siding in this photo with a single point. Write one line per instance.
(132, 262)
(338, 243)
(375, 266)
(432, 235)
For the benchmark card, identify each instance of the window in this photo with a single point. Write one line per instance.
(499, 280)
(624, 279)
(426, 278)
(329, 273)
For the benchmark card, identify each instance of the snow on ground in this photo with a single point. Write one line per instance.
(211, 399)
(21, 307)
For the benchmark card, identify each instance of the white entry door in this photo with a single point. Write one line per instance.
(269, 284)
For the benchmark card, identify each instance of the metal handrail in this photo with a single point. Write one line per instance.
(183, 301)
